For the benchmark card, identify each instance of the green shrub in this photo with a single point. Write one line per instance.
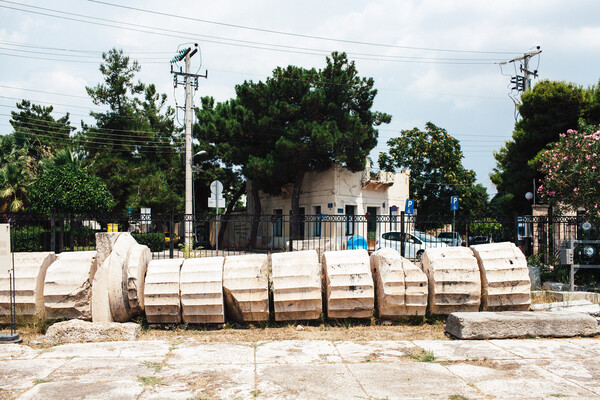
(30, 239)
(155, 241)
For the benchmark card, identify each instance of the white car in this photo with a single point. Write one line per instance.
(415, 243)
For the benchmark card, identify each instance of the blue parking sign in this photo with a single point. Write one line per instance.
(454, 203)
(410, 207)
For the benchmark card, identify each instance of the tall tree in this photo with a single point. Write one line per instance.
(434, 159)
(549, 109)
(38, 132)
(301, 120)
(134, 146)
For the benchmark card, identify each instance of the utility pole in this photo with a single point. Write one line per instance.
(523, 82)
(186, 54)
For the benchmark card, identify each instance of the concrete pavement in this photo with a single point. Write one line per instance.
(304, 369)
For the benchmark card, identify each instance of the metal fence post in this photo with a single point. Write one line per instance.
(171, 224)
(291, 223)
(402, 233)
(53, 231)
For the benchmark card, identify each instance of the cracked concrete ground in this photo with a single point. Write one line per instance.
(304, 369)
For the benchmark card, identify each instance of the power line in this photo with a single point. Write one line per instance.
(299, 34)
(240, 42)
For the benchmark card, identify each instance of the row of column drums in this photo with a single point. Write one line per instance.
(120, 280)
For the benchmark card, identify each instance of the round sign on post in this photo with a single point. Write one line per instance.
(216, 187)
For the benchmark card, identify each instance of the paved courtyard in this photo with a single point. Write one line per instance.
(304, 369)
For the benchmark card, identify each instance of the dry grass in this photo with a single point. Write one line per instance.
(424, 331)
(415, 329)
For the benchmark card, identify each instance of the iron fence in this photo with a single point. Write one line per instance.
(167, 234)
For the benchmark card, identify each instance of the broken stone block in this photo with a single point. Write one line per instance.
(401, 286)
(512, 324)
(161, 293)
(349, 285)
(296, 279)
(123, 268)
(137, 265)
(454, 280)
(77, 331)
(30, 271)
(68, 286)
(506, 285)
(201, 287)
(246, 287)
(104, 245)
(110, 291)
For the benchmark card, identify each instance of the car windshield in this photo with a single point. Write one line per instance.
(425, 236)
(447, 235)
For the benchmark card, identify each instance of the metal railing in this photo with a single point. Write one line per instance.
(244, 233)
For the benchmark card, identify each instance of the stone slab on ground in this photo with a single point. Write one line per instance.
(511, 324)
(161, 293)
(68, 286)
(30, 272)
(77, 331)
(558, 296)
(296, 285)
(201, 285)
(348, 284)
(246, 287)
(505, 282)
(454, 280)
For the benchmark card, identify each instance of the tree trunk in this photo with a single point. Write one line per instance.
(296, 204)
(228, 211)
(255, 217)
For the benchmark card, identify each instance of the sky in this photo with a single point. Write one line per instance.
(432, 60)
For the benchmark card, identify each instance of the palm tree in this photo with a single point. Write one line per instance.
(13, 190)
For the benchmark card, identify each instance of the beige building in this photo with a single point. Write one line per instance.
(336, 192)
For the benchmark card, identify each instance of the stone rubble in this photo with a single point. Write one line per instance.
(77, 331)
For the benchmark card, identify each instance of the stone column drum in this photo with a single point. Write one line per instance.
(454, 280)
(161, 293)
(30, 271)
(401, 287)
(246, 287)
(201, 287)
(296, 280)
(349, 285)
(504, 277)
(68, 286)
